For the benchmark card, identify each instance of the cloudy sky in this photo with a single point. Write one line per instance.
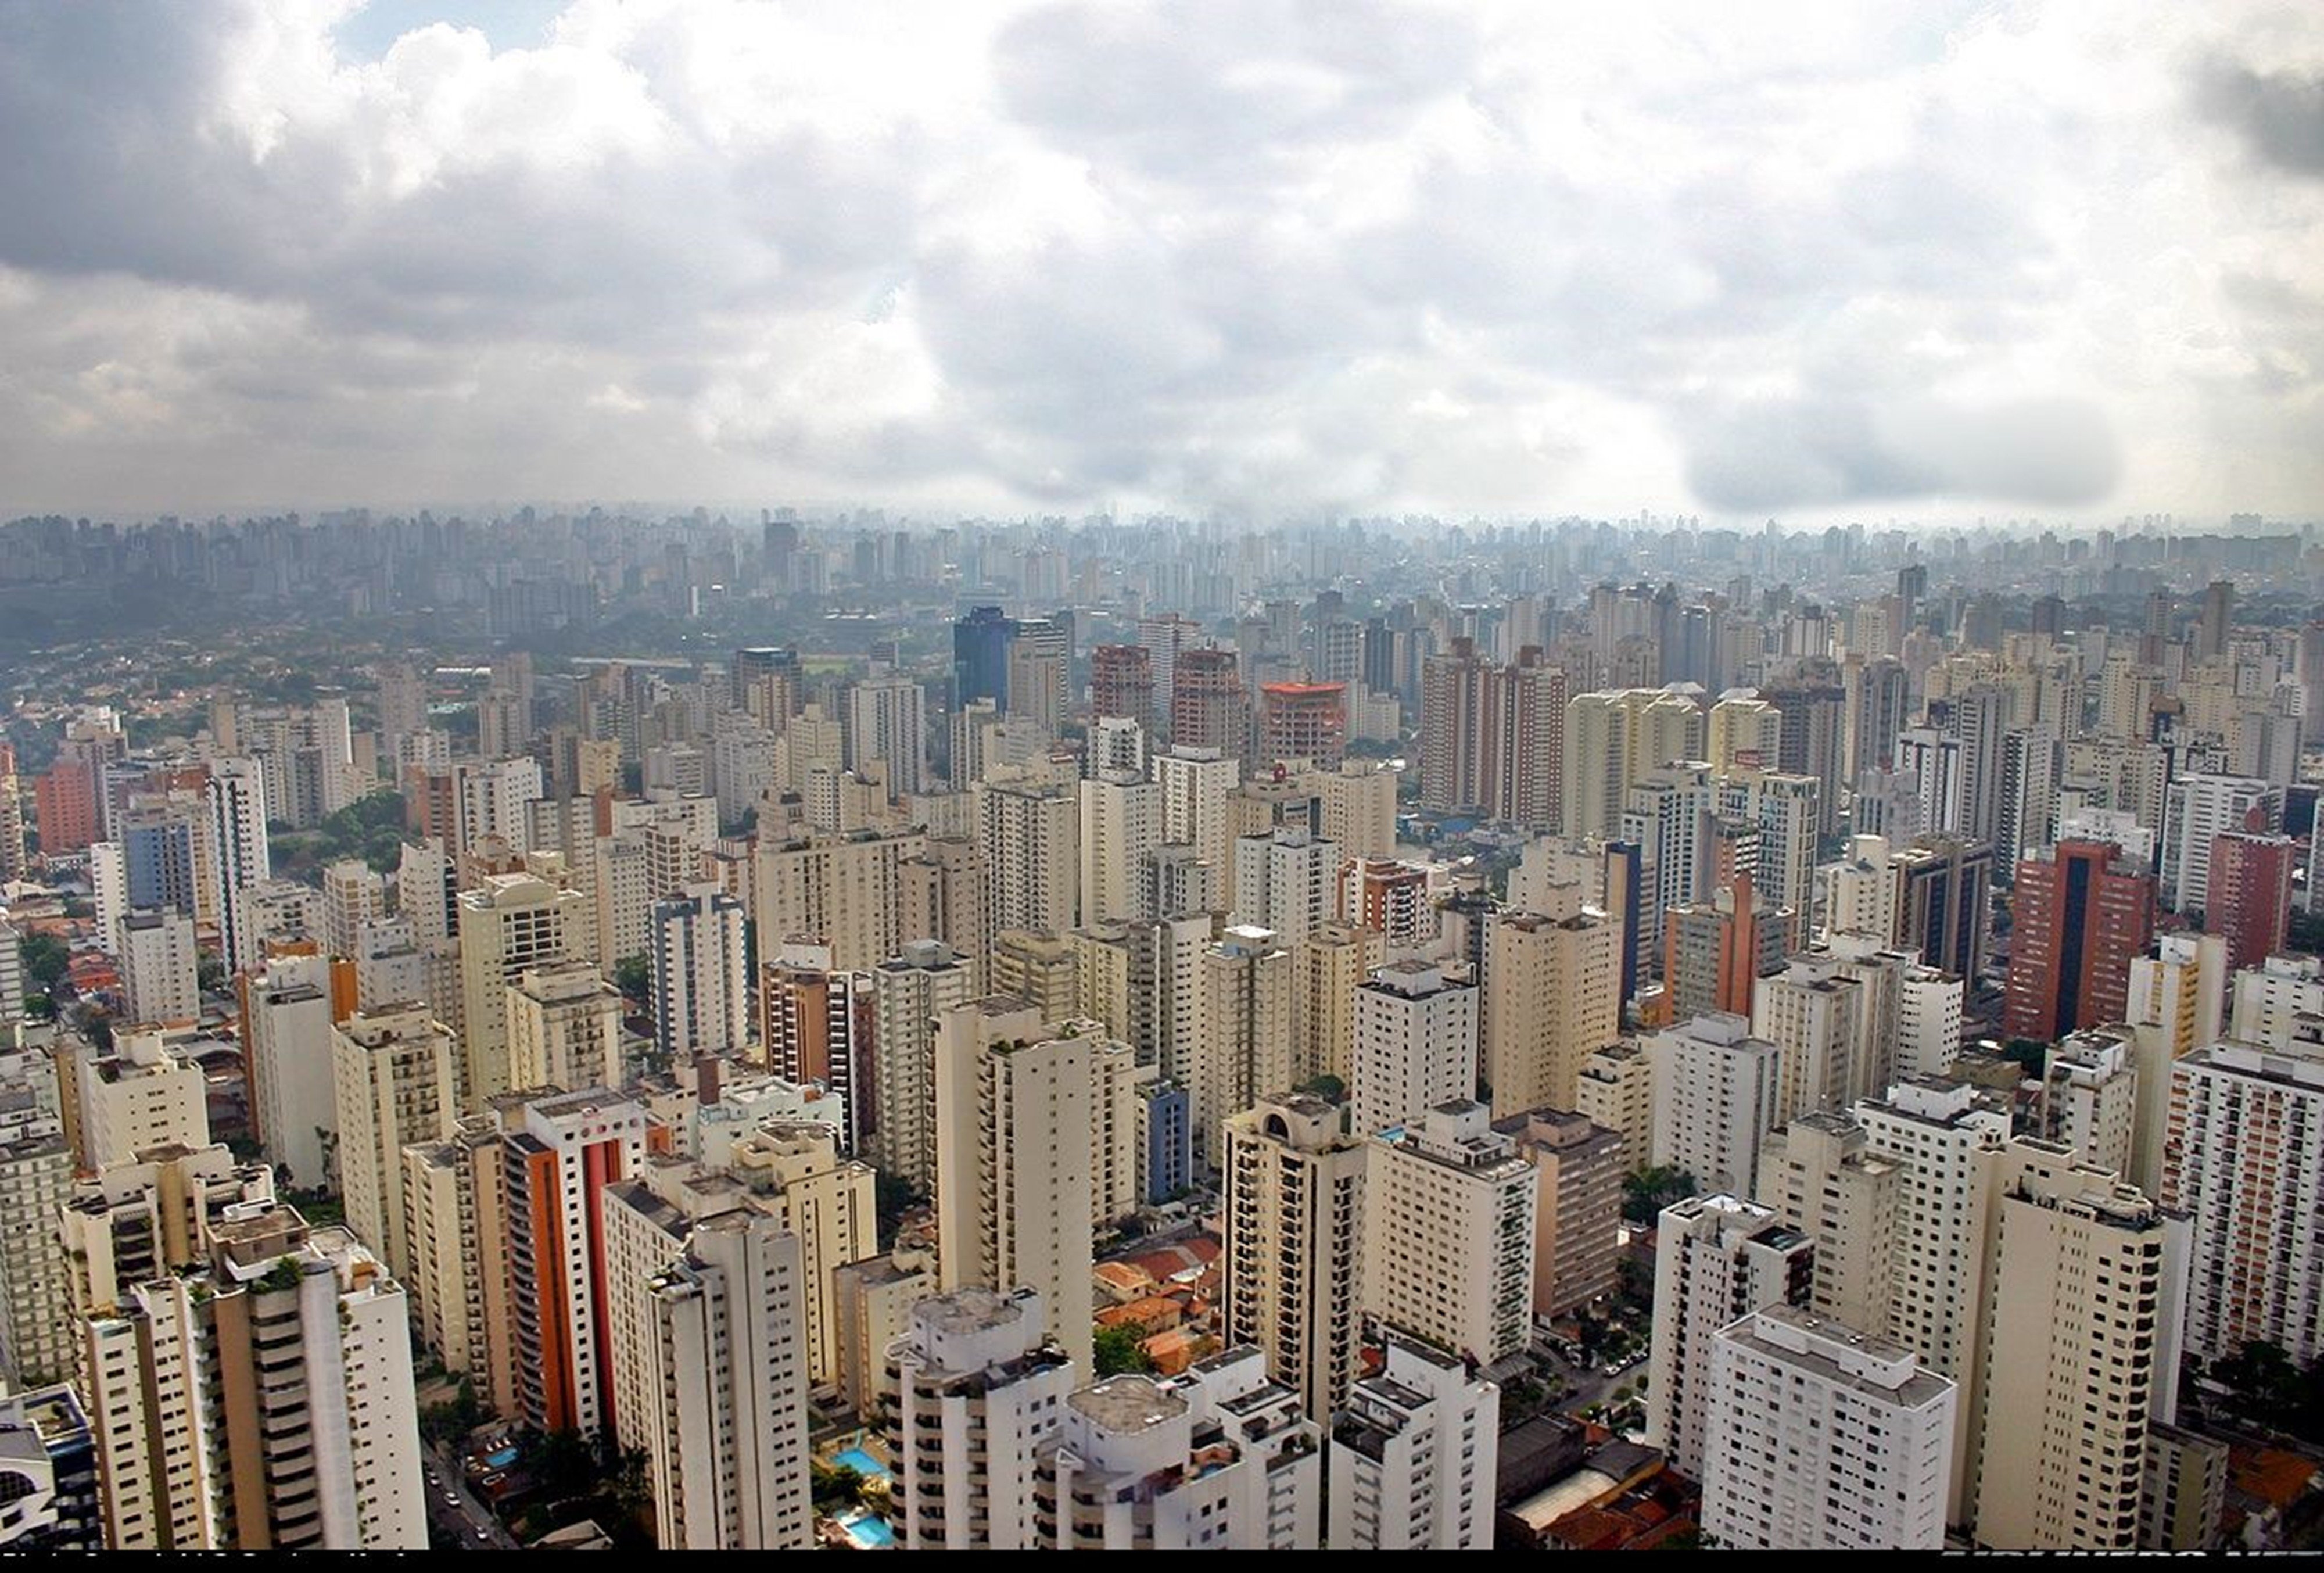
(1251, 257)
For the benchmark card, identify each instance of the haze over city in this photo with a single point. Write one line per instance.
(1106, 776)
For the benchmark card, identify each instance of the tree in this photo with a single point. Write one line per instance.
(209, 973)
(45, 958)
(1326, 1087)
(1646, 1191)
(633, 976)
(1120, 1349)
(2028, 1052)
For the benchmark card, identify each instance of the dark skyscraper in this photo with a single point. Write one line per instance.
(980, 657)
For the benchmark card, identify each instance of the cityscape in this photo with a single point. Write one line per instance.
(1130, 919)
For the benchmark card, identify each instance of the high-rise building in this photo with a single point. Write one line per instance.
(1822, 1177)
(974, 1390)
(2248, 893)
(2082, 916)
(980, 657)
(1121, 823)
(1415, 1045)
(36, 1288)
(850, 893)
(2197, 811)
(1332, 962)
(1578, 1205)
(1815, 1012)
(288, 1009)
(510, 924)
(1415, 1456)
(1014, 1193)
(885, 722)
(910, 991)
(1715, 1096)
(196, 1452)
(1121, 683)
(1459, 1202)
(2079, 1317)
(1290, 1256)
(1817, 1436)
(1039, 657)
(160, 967)
(391, 1087)
(1209, 706)
(455, 1216)
(727, 1450)
(560, 1153)
(564, 1027)
(1196, 784)
(1944, 907)
(1552, 997)
(701, 980)
(2089, 1098)
(2243, 1162)
(817, 1024)
(239, 808)
(1302, 720)
(137, 1096)
(1716, 1258)
(1244, 1031)
(1221, 1456)
(1030, 834)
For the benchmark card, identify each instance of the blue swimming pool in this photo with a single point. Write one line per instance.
(869, 1531)
(862, 1463)
(502, 1459)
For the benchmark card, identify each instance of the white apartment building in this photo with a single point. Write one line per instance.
(702, 987)
(1415, 1045)
(140, 1096)
(1285, 881)
(287, 1046)
(974, 1390)
(2243, 1159)
(1220, 1458)
(1029, 833)
(1716, 1258)
(160, 967)
(1245, 1033)
(1290, 1256)
(727, 1444)
(1121, 823)
(1716, 1092)
(1415, 1456)
(2267, 1001)
(2198, 809)
(1457, 1201)
(1819, 1438)
(910, 991)
(265, 1403)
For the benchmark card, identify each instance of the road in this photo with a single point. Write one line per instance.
(460, 1518)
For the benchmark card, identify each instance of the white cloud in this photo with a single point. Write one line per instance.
(1265, 258)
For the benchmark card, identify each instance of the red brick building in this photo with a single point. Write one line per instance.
(2250, 897)
(2079, 919)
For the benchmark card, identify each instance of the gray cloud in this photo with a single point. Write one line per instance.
(2279, 114)
(1257, 258)
(1824, 451)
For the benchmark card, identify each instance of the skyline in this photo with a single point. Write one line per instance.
(2053, 262)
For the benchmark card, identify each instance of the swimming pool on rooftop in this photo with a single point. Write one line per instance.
(501, 1459)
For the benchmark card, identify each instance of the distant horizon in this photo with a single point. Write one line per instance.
(748, 515)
